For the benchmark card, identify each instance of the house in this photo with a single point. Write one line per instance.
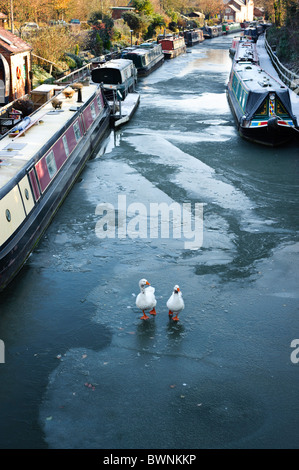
(15, 65)
(238, 10)
(196, 14)
(259, 12)
(117, 12)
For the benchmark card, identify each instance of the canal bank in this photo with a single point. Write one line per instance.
(82, 370)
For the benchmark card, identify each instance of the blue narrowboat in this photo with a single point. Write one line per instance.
(260, 104)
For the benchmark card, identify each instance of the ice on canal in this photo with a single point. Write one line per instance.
(211, 379)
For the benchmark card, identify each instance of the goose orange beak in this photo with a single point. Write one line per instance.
(147, 283)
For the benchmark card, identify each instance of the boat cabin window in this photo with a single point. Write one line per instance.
(99, 102)
(109, 76)
(51, 164)
(77, 131)
(65, 144)
(93, 111)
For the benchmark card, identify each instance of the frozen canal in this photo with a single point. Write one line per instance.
(81, 369)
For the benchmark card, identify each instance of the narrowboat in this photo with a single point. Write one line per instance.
(193, 36)
(253, 32)
(245, 50)
(119, 78)
(147, 57)
(116, 75)
(233, 47)
(210, 32)
(40, 159)
(172, 46)
(260, 104)
(229, 28)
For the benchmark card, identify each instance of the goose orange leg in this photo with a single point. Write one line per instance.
(176, 318)
(153, 311)
(170, 313)
(144, 317)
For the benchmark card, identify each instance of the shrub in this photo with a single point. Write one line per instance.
(52, 43)
(70, 61)
(78, 61)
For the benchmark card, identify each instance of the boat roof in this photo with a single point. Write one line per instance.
(16, 153)
(246, 51)
(117, 64)
(140, 50)
(258, 80)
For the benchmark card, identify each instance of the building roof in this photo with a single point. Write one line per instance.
(12, 43)
(122, 8)
(232, 7)
(196, 13)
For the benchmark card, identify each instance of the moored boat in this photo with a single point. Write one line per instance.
(245, 51)
(116, 75)
(118, 78)
(229, 28)
(147, 57)
(260, 104)
(253, 32)
(233, 47)
(38, 170)
(210, 32)
(193, 36)
(172, 46)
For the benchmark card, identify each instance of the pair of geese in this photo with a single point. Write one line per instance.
(146, 300)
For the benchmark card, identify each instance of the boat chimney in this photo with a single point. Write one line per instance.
(78, 88)
(79, 99)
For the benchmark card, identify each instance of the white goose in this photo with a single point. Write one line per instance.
(175, 303)
(146, 300)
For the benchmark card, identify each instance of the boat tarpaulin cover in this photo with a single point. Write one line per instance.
(256, 98)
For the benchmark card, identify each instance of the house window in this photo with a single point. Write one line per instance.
(77, 131)
(51, 164)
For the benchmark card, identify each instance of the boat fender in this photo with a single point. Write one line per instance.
(272, 123)
(18, 72)
(243, 120)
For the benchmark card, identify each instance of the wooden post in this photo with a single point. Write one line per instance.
(11, 17)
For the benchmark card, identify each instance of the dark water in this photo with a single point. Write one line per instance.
(222, 377)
